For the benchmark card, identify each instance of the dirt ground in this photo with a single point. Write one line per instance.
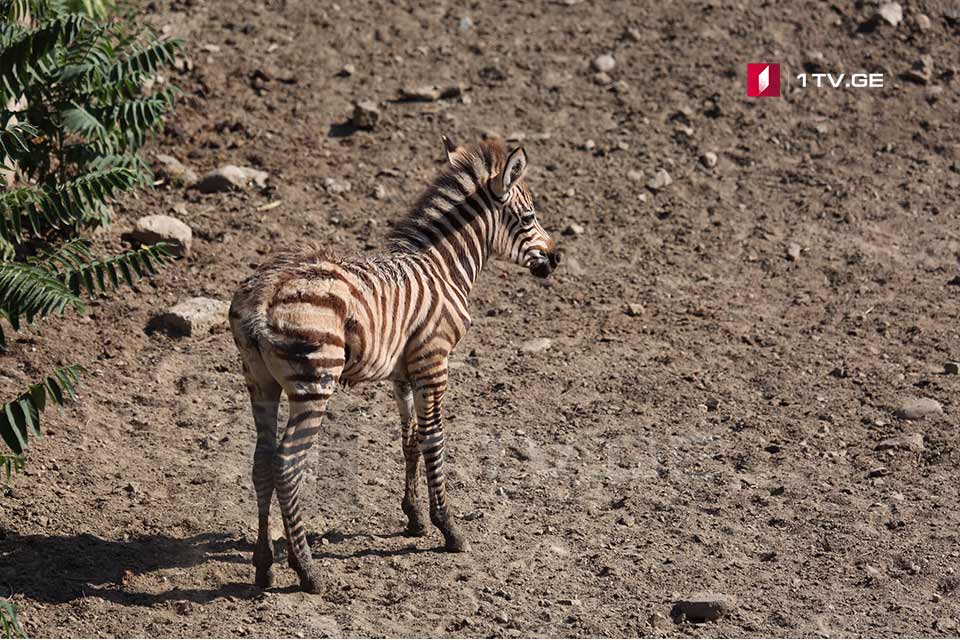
(723, 436)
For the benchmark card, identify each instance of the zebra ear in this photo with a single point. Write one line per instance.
(450, 147)
(513, 171)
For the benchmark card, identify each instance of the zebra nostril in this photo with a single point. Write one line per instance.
(555, 257)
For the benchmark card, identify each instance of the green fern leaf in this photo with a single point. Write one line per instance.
(20, 419)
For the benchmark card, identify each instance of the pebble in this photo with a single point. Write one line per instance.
(231, 178)
(891, 12)
(922, 70)
(709, 159)
(918, 408)
(347, 70)
(502, 617)
(334, 186)
(195, 316)
(366, 115)
(634, 310)
(380, 192)
(175, 171)
(604, 63)
(952, 368)
(430, 93)
(465, 24)
(658, 621)
(573, 229)
(536, 345)
(923, 22)
(160, 228)
(793, 251)
(632, 34)
(569, 602)
(704, 607)
(660, 180)
(602, 79)
(908, 442)
(636, 176)
(589, 145)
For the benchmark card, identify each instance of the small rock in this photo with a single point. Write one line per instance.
(660, 180)
(632, 34)
(908, 442)
(709, 159)
(712, 404)
(380, 192)
(430, 93)
(891, 12)
(230, 178)
(159, 228)
(536, 345)
(465, 24)
(922, 70)
(952, 368)
(589, 145)
(366, 115)
(626, 521)
(347, 70)
(334, 186)
(634, 175)
(602, 78)
(569, 602)
(183, 607)
(793, 251)
(634, 310)
(923, 22)
(604, 63)
(174, 171)
(658, 621)
(195, 316)
(918, 408)
(703, 607)
(502, 617)
(573, 229)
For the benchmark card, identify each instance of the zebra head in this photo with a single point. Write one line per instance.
(519, 234)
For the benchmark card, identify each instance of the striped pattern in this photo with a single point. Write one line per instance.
(308, 320)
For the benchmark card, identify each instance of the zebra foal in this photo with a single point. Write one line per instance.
(307, 320)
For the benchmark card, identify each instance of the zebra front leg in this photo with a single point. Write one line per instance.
(306, 415)
(416, 523)
(428, 400)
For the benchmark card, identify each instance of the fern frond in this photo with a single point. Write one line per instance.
(14, 138)
(40, 209)
(103, 276)
(79, 120)
(146, 59)
(70, 255)
(30, 45)
(8, 613)
(20, 418)
(33, 291)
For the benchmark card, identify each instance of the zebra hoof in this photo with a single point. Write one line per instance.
(264, 579)
(310, 583)
(416, 529)
(454, 542)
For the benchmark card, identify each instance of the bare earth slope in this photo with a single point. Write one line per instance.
(723, 437)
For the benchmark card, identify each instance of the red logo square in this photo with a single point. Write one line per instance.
(763, 80)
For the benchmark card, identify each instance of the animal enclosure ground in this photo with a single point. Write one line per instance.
(725, 435)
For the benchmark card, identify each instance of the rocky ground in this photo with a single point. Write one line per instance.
(738, 383)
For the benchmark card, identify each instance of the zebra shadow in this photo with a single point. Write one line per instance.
(59, 569)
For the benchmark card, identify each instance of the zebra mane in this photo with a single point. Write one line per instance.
(469, 169)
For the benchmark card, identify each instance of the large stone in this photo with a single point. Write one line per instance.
(919, 408)
(154, 229)
(195, 317)
(231, 178)
(703, 607)
(174, 171)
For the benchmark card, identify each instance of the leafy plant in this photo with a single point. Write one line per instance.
(8, 621)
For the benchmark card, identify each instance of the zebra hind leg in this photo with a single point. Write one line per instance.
(308, 400)
(264, 401)
(416, 522)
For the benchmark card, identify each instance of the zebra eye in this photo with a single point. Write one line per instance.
(527, 218)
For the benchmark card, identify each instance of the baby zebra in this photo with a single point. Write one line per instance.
(307, 320)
